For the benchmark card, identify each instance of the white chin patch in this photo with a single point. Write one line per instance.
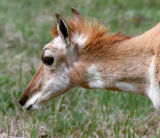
(35, 107)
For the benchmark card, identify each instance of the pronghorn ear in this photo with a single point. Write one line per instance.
(63, 29)
(76, 13)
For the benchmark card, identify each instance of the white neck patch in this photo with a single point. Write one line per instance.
(125, 86)
(153, 91)
(94, 77)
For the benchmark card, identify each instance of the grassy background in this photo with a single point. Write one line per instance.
(24, 30)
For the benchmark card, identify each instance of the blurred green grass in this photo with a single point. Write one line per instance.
(24, 30)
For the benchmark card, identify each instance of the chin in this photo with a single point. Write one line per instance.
(32, 107)
(35, 107)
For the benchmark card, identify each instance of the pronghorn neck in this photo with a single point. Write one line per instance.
(124, 66)
(119, 72)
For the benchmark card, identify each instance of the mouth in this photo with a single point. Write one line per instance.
(29, 107)
(33, 106)
(35, 102)
(32, 103)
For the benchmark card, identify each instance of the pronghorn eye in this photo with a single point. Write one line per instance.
(48, 60)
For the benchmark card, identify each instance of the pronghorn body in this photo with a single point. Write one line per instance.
(84, 54)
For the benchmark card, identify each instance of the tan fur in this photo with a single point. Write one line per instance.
(118, 58)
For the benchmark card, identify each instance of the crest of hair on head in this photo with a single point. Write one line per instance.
(98, 36)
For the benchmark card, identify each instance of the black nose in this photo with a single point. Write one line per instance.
(23, 100)
(21, 103)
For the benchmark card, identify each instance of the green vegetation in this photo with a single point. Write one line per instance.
(24, 29)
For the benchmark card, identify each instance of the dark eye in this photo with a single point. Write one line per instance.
(48, 60)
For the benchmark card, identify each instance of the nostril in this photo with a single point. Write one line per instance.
(23, 100)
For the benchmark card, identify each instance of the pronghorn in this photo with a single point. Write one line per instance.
(84, 54)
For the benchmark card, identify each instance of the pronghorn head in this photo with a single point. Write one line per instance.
(53, 76)
(71, 59)
(84, 54)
